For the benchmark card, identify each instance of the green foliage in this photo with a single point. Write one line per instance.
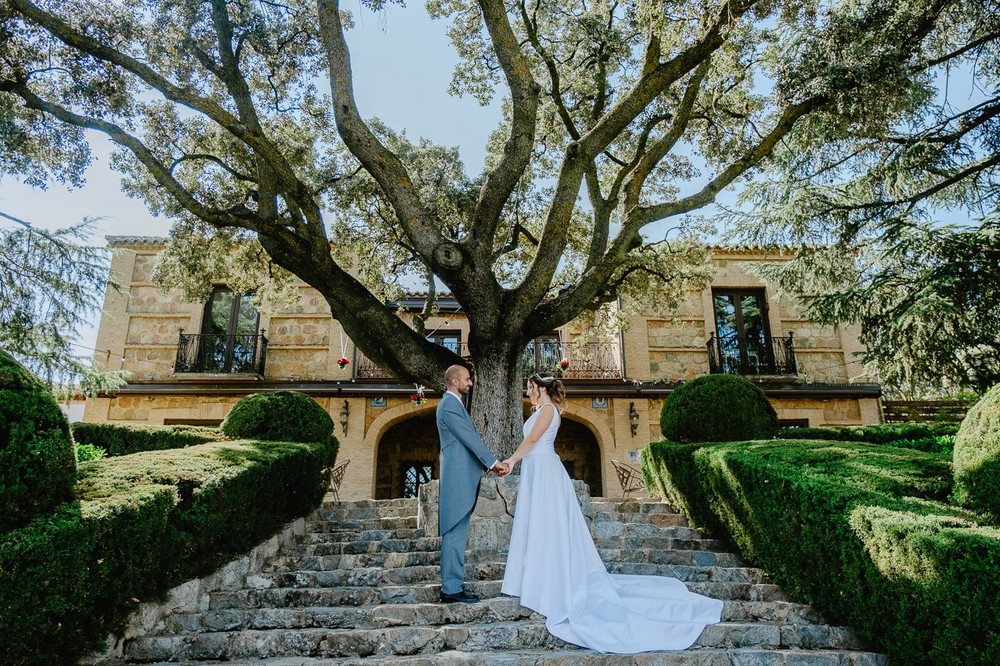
(119, 439)
(923, 294)
(717, 408)
(37, 463)
(142, 524)
(85, 452)
(860, 531)
(977, 456)
(287, 416)
(931, 437)
(50, 283)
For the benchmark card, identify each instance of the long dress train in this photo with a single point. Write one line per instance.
(554, 567)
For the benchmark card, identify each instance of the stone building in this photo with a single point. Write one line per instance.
(191, 361)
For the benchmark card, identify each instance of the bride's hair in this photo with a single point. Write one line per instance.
(553, 386)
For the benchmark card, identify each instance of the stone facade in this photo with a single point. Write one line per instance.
(141, 324)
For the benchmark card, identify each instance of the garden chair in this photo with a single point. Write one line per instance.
(336, 476)
(629, 477)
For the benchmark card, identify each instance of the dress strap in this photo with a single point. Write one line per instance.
(553, 406)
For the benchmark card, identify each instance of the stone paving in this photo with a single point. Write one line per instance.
(357, 583)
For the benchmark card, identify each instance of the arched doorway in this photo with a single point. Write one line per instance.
(580, 453)
(407, 457)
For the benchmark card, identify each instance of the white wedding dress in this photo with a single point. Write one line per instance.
(554, 567)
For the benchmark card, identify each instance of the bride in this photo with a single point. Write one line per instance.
(554, 567)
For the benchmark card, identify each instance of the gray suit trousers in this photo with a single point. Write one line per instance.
(453, 543)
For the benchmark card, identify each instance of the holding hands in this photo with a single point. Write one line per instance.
(501, 468)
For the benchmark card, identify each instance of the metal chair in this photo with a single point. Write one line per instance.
(336, 476)
(629, 477)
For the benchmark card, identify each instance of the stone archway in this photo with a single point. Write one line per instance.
(408, 453)
(580, 453)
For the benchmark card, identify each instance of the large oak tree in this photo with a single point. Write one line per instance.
(619, 117)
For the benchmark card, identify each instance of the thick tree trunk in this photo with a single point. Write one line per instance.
(498, 398)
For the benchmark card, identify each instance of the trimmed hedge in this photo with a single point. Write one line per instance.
(977, 456)
(121, 439)
(933, 438)
(717, 408)
(142, 524)
(278, 416)
(882, 433)
(859, 531)
(37, 461)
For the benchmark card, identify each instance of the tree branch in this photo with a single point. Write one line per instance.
(503, 178)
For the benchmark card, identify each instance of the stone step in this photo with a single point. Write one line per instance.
(313, 557)
(659, 519)
(367, 546)
(472, 637)
(630, 505)
(691, 657)
(409, 503)
(338, 535)
(359, 524)
(326, 572)
(606, 539)
(497, 609)
(287, 597)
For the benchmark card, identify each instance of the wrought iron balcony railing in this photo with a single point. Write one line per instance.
(735, 357)
(221, 354)
(590, 361)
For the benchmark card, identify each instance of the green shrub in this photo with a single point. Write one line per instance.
(922, 437)
(881, 433)
(857, 530)
(977, 456)
(37, 462)
(717, 408)
(142, 524)
(120, 439)
(85, 452)
(281, 416)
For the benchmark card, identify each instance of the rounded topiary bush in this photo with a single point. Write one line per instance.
(977, 456)
(37, 463)
(717, 408)
(285, 416)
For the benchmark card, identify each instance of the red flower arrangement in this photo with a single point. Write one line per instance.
(564, 363)
(343, 362)
(418, 397)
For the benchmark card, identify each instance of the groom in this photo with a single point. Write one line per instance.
(463, 457)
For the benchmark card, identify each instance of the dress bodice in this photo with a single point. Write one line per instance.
(546, 443)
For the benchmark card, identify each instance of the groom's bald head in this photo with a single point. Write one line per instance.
(457, 379)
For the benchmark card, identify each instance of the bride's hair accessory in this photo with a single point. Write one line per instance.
(553, 386)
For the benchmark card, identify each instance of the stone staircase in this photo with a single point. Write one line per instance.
(360, 586)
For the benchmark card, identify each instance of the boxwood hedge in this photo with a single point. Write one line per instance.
(860, 531)
(717, 408)
(37, 462)
(141, 524)
(121, 439)
(977, 457)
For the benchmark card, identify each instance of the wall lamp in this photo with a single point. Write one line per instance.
(345, 413)
(633, 418)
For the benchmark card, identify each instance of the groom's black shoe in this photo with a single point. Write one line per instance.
(461, 597)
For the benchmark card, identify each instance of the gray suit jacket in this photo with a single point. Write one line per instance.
(463, 457)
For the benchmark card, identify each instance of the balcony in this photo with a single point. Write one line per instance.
(733, 356)
(221, 354)
(590, 361)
